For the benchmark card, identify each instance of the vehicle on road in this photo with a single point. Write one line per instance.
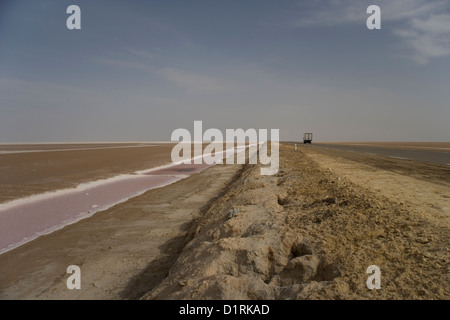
(307, 137)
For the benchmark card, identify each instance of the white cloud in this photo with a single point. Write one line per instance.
(424, 27)
(427, 38)
(141, 53)
(126, 64)
(195, 83)
(192, 82)
(338, 12)
(436, 24)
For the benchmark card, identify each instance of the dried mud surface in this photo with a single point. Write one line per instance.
(122, 252)
(27, 174)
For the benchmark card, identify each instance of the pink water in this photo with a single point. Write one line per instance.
(26, 219)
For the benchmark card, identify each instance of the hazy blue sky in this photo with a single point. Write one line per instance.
(137, 70)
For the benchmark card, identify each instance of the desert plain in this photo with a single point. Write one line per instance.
(308, 232)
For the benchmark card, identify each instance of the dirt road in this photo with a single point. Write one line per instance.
(428, 153)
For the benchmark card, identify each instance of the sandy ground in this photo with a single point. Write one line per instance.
(308, 232)
(311, 232)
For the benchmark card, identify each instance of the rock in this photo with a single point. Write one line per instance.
(423, 240)
(300, 270)
(231, 213)
(330, 200)
(182, 283)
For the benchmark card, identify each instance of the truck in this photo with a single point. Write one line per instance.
(307, 137)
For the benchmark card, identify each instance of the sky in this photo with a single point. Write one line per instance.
(138, 70)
